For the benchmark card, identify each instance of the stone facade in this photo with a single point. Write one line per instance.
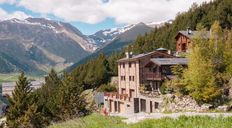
(139, 81)
(131, 75)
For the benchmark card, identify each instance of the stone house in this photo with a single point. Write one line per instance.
(139, 80)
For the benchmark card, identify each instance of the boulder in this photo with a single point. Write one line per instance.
(206, 107)
(224, 108)
(177, 104)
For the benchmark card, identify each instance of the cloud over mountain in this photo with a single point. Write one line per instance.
(95, 11)
(17, 14)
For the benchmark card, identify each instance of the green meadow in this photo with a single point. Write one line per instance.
(99, 121)
(11, 77)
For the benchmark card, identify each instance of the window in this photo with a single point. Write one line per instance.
(123, 78)
(131, 78)
(129, 64)
(123, 91)
(132, 93)
(123, 65)
(156, 105)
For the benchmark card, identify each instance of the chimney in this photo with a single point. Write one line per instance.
(169, 52)
(189, 31)
(129, 55)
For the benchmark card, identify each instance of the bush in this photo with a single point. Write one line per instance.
(107, 88)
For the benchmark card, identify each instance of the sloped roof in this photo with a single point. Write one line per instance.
(192, 34)
(161, 49)
(135, 57)
(170, 61)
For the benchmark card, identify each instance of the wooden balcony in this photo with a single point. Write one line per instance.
(153, 76)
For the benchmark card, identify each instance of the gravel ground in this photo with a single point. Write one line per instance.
(134, 118)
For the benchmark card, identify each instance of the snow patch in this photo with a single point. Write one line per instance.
(117, 31)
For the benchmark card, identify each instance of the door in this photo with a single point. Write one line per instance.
(115, 106)
(143, 105)
(136, 105)
(151, 106)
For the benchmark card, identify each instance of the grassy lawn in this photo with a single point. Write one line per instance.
(99, 121)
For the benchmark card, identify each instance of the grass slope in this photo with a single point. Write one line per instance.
(99, 121)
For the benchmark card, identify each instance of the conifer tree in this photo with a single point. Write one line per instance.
(19, 102)
(33, 118)
(48, 98)
(71, 98)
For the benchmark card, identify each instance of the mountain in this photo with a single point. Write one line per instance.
(158, 24)
(34, 45)
(113, 40)
(107, 35)
(125, 38)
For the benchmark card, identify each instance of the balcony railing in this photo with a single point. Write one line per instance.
(153, 76)
(116, 95)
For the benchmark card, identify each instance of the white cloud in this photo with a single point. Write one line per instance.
(123, 11)
(17, 14)
(7, 1)
(89, 11)
(134, 11)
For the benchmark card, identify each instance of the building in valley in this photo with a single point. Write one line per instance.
(184, 39)
(8, 87)
(139, 80)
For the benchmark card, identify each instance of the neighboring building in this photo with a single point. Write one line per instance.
(139, 80)
(184, 39)
(8, 88)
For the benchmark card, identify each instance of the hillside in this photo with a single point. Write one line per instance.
(116, 40)
(34, 45)
(198, 15)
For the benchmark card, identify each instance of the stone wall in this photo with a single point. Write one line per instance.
(172, 103)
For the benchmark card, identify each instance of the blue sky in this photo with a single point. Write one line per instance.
(90, 16)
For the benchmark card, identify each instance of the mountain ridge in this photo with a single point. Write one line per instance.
(39, 44)
(44, 44)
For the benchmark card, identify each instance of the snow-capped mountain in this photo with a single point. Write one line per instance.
(158, 24)
(105, 36)
(61, 27)
(113, 40)
(37, 44)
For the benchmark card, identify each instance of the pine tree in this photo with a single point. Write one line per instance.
(71, 98)
(48, 98)
(19, 101)
(33, 118)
